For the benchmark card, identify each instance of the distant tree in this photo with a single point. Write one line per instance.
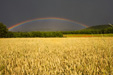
(3, 30)
(10, 34)
(109, 30)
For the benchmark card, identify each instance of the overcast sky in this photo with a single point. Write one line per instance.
(89, 12)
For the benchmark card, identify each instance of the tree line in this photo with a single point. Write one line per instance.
(91, 31)
(34, 34)
(8, 34)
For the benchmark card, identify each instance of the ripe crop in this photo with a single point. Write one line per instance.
(56, 56)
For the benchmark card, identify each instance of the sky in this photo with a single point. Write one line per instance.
(89, 12)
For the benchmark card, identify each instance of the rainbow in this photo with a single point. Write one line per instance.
(48, 18)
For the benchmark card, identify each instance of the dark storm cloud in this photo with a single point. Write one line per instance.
(90, 12)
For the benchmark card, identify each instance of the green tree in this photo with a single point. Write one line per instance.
(3, 30)
(10, 34)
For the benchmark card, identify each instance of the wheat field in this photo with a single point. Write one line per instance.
(56, 56)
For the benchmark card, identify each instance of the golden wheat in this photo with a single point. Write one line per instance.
(56, 56)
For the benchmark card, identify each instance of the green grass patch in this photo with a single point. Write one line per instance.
(88, 35)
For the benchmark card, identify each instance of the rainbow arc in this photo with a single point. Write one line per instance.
(43, 19)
